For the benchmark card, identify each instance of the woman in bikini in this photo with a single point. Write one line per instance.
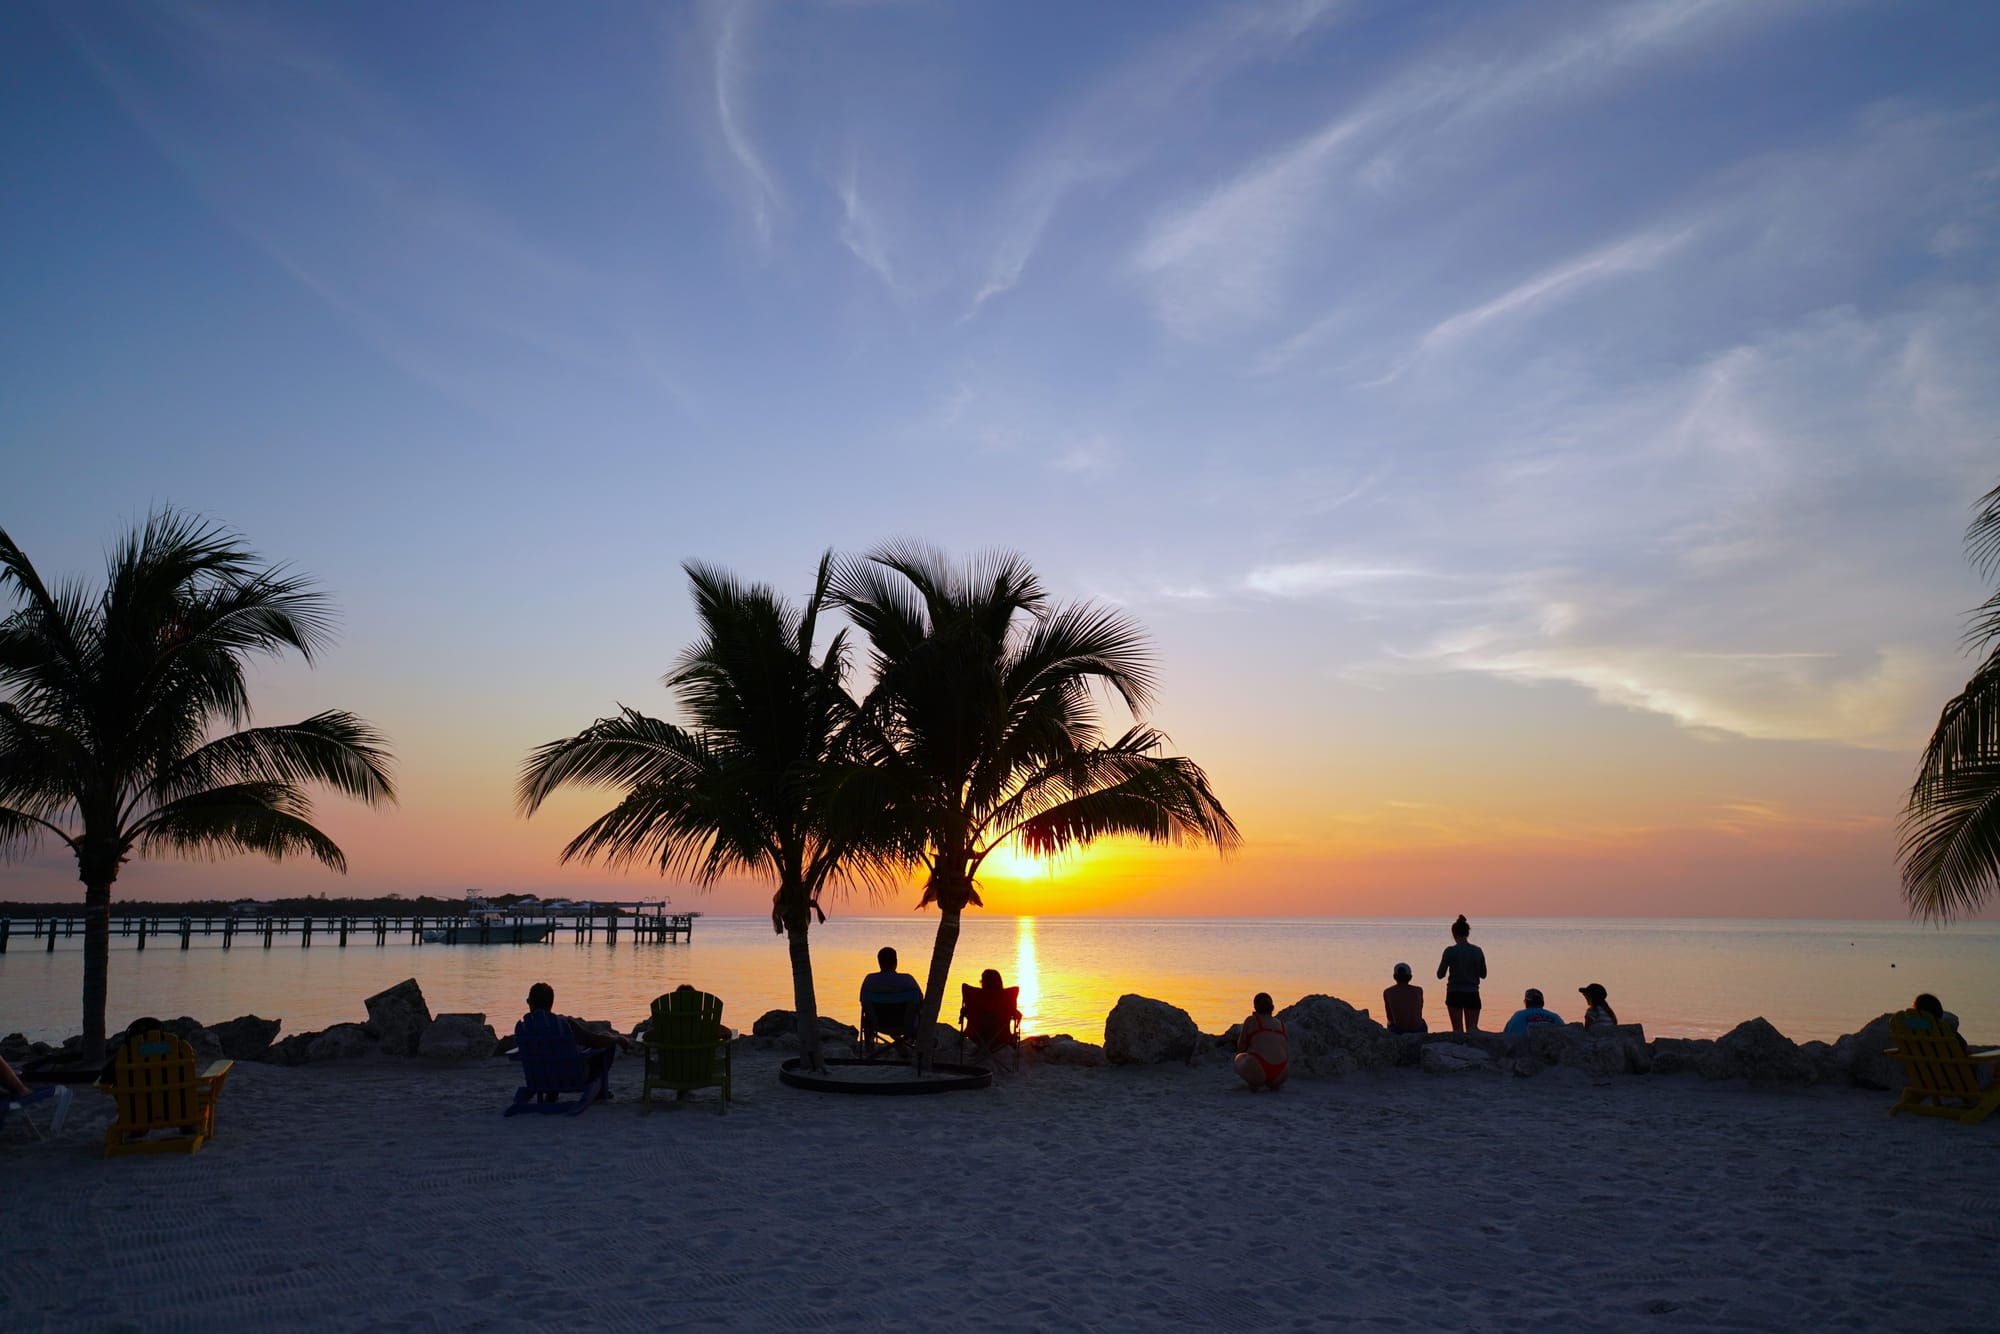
(1262, 1058)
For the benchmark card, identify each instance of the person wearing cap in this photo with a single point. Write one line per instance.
(1403, 1004)
(1600, 1012)
(1532, 1015)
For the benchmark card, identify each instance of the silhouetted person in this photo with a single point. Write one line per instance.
(1403, 1004)
(602, 1047)
(1931, 1008)
(1532, 1015)
(891, 998)
(1263, 1059)
(1463, 964)
(1600, 1014)
(109, 1074)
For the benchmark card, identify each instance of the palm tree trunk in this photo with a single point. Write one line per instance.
(950, 908)
(96, 965)
(805, 1003)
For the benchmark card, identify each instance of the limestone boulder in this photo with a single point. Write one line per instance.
(246, 1038)
(1143, 1031)
(1825, 1069)
(1596, 1052)
(15, 1049)
(777, 1024)
(457, 1037)
(1062, 1049)
(1673, 1056)
(1756, 1051)
(398, 1017)
(1861, 1058)
(1331, 1037)
(207, 1046)
(341, 1042)
(1452, 1058)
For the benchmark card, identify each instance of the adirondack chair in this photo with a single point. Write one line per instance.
(687, 1048)
(1942, 1079)
(552, 1065)
(989, 1020)
(156, 1086)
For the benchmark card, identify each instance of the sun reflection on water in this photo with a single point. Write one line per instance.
(1027, 974)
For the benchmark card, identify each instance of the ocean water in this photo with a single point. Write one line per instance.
(1680, 977)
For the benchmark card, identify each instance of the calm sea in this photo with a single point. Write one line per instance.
(1678, 976)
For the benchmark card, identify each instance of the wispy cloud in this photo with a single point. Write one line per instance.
(1311, 578)
(1224, 259)
(860, 231)
(757, 185)
(1122, 120)
(1634, 254)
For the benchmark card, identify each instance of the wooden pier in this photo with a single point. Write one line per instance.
(582, 928)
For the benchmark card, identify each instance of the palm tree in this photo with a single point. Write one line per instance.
(750, 785)
(1951, 828)
(108, 729)
(982, 727)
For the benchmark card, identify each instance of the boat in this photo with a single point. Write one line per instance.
(487, 923)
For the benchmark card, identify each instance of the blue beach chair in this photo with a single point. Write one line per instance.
(56, 1093)
(552, 1064)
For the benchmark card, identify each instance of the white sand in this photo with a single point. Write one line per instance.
(383, 1195)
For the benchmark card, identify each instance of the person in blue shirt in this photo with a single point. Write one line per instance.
(1533, 1016)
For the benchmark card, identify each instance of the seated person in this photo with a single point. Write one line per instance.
(1927, 1011)
(1263, 1060)
(109, 1074)
(14, 1092)
(1403, 1004)
(1598, 1013)
(1533, 1016)
(996, 991)
(598, 1047)
(890, 1000)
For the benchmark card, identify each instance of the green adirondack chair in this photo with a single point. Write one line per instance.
(687, 1047)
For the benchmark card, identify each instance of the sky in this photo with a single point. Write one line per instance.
(1538, 436)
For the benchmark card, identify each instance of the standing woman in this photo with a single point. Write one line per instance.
(1462, 966)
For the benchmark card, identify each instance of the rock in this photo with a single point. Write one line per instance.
(1452, 1058)
(1861, 1060)
(457, 1037)
(1062, 1049)
(398, 1017)
(246, 1038)
(207, 1047)
(15, 1048)
(1671, 1056)
(340, 1042)
(785, 1023)
(1825, 1069)
(1143, 1031)
(1495, 1045)
(1323, 1026)
(1755, 1051)
(1597, 1052)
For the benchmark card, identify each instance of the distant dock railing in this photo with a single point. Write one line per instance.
(582, 928)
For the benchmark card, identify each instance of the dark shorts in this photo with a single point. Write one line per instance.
(1462, 1000)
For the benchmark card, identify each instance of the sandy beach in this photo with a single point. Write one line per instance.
(386, 1194)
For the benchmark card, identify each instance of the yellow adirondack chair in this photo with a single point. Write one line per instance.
(157, 1087)
(1937, 1067)
(687, 1047)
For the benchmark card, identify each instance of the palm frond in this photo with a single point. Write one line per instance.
(627, 749)
(1162, 799)
(1967, 732)
(1951, 841)
(269, 818)
(1982, 536)
(333, 748)
(21, 830)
